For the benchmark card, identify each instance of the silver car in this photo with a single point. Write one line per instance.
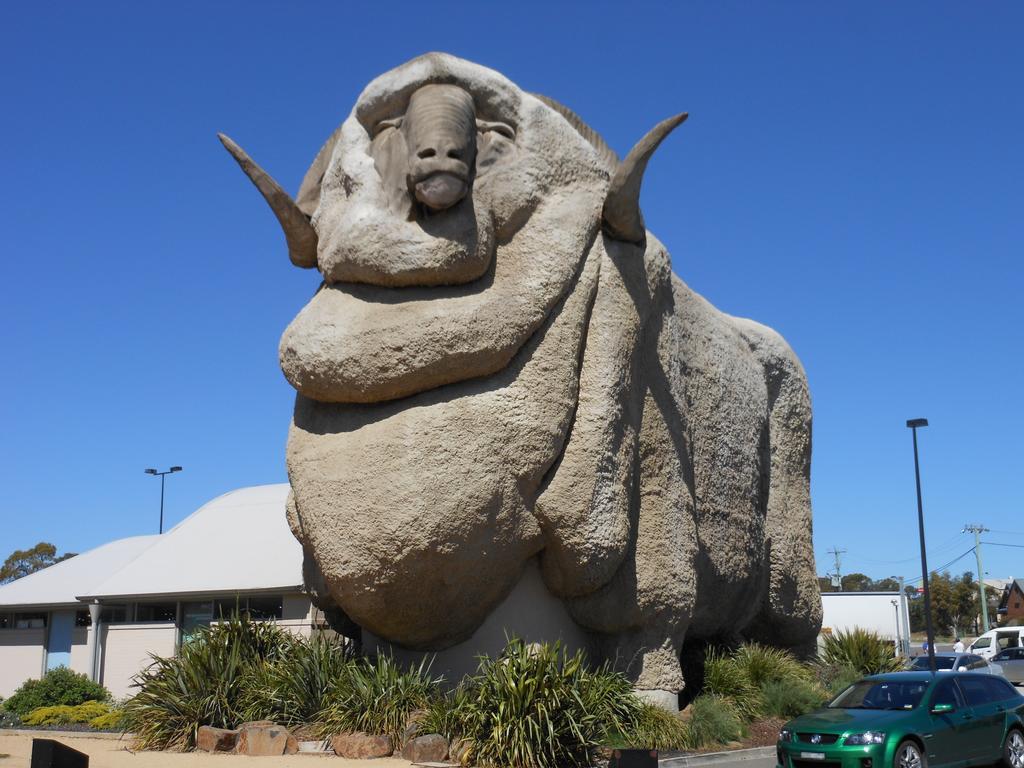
(1012, 662)
(957, 662)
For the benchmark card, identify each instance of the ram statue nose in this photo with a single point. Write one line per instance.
(440, 131)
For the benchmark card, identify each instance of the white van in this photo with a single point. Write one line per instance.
(996, 640)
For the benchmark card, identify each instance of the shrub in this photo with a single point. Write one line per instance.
(62, 714)
(9, 720)
(294, 688)
(766, 665)
(835, 678)
(653, 728)
(791, 698)
(59, 686)
(725, 677)
(203, 684)
(377, 695)
(862, 650)
(713, 720)
(539, 706)
(111, 721)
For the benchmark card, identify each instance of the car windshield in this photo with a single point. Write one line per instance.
(941, 662)
(881, 694)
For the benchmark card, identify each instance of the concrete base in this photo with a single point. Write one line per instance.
(667, 700)
(530, 612)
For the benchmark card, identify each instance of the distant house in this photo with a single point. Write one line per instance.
(1011, 605)
(105, 611)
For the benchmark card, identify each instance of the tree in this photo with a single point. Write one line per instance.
(22, 562)
(891, 584)
(856, 582)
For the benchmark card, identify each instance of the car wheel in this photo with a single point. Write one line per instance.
(908, 755)
(1013, 750)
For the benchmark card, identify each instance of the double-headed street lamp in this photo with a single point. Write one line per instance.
(161, 476)
(914, 424)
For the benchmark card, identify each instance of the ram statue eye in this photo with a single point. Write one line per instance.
(502, 129)
(495, 143)
(383, 125)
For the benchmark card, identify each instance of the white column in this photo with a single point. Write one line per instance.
(92, 641)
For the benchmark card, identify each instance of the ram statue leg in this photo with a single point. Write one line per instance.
(791, 613)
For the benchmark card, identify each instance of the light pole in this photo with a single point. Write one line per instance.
(161, 476)
(914, 424)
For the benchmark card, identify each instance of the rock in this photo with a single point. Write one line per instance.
(292, 745)
(258, 739)
(360, 746)
(502, 366)
(210, 739)
(432, 748)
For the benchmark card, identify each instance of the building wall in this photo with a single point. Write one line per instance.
(126, 650)
(1014, 604)
(842, 611)
(79, 656)
(22, 655)
(296, 615)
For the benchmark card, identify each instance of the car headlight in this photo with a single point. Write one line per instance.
(868, 737)
(786, 735)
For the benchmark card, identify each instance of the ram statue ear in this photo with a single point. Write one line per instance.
(621, 217)
(298, 232)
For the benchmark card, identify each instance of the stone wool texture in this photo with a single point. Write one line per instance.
(499, 379)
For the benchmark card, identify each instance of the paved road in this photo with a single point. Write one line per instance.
(747, 758)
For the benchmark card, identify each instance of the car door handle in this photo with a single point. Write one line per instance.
(967, 717)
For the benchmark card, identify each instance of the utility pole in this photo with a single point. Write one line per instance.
(977, 529)
(837, 576)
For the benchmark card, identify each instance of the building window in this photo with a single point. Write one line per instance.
(156, 612)
(6, 621)
(29, 620)
(109, 614)
(261, 608)
(266, 608)
(1017, 604)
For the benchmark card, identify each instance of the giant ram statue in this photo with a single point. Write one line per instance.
(500, 366)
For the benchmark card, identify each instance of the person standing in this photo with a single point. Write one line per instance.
(958, 646)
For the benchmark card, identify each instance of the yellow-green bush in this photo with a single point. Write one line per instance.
(62, 714)
(111, 721)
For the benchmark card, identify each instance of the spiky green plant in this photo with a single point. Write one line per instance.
(377, 695)
(791, 698)
(835, 678)
(295, 687)
(713, 720)
(862, 650)
(653, 728)
(727, 678)
(763, 664)
(538, 706)
(203, 684)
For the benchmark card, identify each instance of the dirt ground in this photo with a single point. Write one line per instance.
(15, 752)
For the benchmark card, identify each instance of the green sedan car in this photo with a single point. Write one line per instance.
(911, 720)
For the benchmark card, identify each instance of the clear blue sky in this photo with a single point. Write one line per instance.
(852, 174)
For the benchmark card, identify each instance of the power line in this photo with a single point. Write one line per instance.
(941, 568)
(1000, 544)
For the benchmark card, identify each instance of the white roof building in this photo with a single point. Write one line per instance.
(105, 611)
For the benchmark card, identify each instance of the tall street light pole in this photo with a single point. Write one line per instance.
(161, 476)
(914, 424)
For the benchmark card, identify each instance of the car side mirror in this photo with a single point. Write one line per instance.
(943, 709)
